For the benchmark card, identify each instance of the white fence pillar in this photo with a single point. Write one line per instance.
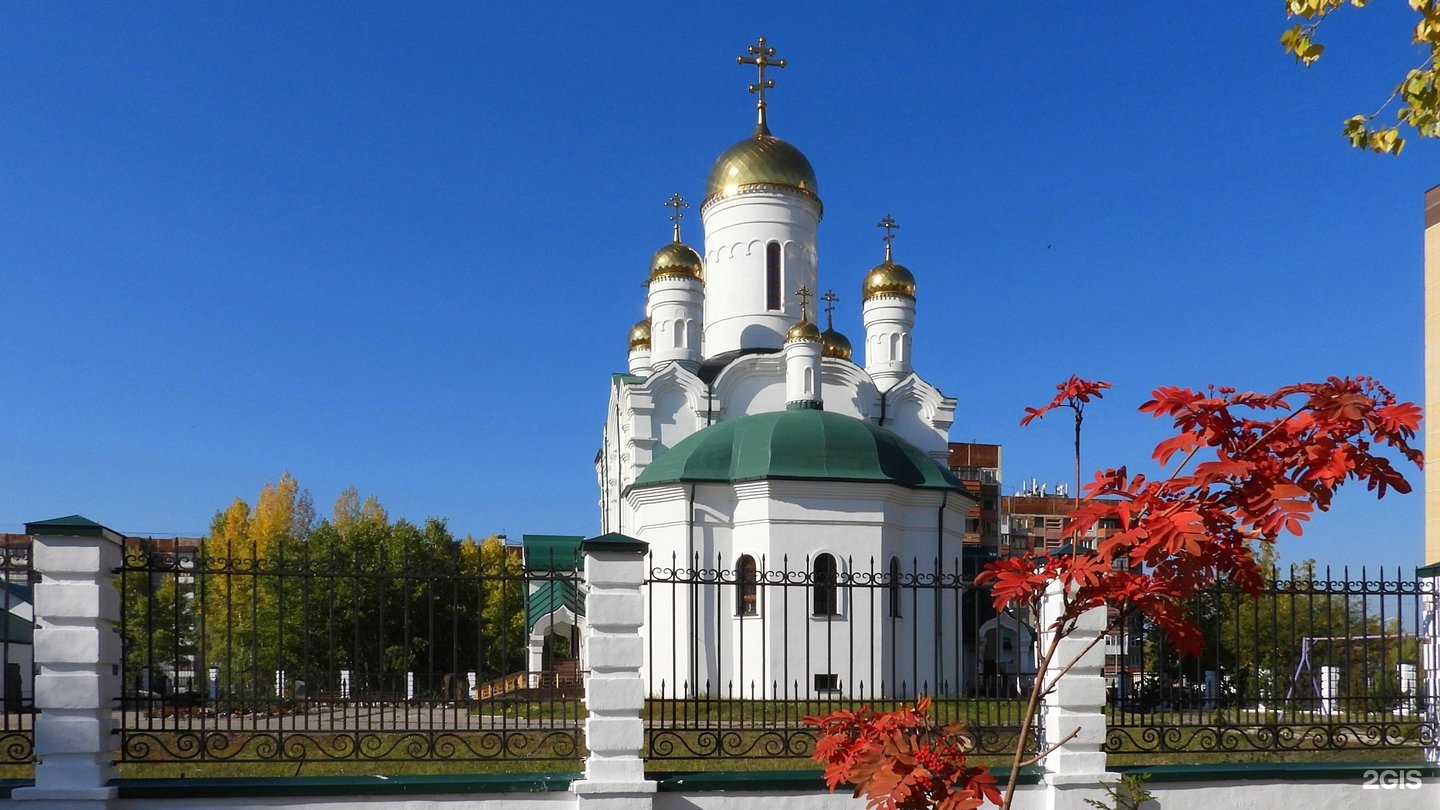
(614, 690)
(1429, 577)
(78, 654)
(1077, 705)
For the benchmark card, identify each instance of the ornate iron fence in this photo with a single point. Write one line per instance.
(308, 654)
(1318, 666)
(740, 651)
(17, 679)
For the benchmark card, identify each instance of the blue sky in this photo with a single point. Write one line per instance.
(400, 247)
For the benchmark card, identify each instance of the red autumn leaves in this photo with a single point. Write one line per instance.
(1244, 467)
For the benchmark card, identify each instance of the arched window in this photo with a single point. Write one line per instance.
(823, 581)
(894, 345)
(746, 596)
(680, 334)
(772, 277)
(808, 379)
(892, 588)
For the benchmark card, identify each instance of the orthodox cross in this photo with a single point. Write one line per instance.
(890, 226)
(760, 57)
(829, 298)
(677, 202)
(804, 293)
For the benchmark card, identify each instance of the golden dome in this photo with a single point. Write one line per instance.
(640, 335)
(835, 345)
(677, 258)
(804, 330)
(760, 160)
(888, 279)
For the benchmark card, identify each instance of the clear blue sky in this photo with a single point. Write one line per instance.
(400, 247)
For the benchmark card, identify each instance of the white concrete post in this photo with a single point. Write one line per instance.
(1430, 650)
(344, 684)
(536, 660)
(614, 690)
(1077, 768)
(1329, 689)
(1408, 677)
(1212, 689)
(78, 654)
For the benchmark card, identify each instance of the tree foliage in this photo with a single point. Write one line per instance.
(1417, 96)
(1243, 468)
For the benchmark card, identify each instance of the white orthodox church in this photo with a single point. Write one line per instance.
(745, 439)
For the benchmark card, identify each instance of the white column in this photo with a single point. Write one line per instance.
(1430, 650)
(1329, 684)
(344, 684)
(676, 305)
(1408, 677)
(614, 690)
(536, 659)
(78, 654)
(1077, 705)
(889, 321)
(802, 372)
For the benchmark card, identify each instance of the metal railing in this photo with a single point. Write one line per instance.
(740, 651)
(1320, 665)
(315, 654)
(17, 627)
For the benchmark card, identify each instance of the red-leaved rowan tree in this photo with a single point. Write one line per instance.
(1242, 468)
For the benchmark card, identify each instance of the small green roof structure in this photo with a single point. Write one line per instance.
(552, 552)
(68, 526)
(798, 444)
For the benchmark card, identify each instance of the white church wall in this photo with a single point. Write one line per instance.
(920, 414)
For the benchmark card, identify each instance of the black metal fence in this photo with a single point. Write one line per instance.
(307, 654)
(17, 684)
(741, 650)
(1321, 665)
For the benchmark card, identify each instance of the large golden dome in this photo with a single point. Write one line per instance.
(640, 335)
(758, 161)
(676, 258)
(804, 330)
(835, 345)
(888, 278)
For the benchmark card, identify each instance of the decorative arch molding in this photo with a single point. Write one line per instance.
(746, 378)
(845, 375)
(935, 408)
(672, 377)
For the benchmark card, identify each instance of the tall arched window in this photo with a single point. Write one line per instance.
(894, 345)
(823, 581)
(892, 588)
(746, 596)
(772, 277)
(679, 334)
(808, 381)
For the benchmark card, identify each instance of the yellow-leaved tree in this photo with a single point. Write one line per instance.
(1417, 96)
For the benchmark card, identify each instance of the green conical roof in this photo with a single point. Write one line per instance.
(798, 444)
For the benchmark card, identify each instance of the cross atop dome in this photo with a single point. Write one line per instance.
(760, 57)
(890, 226)
(676, 202)
(829, 298)
(804, 295)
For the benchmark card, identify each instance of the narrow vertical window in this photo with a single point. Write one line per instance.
(745, 587)
(892, 587)
(680, 334)
(894, 345)
(808, 379)
(823, 580)
(772, 276)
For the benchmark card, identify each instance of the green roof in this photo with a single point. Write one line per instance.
(548, 597)
(552, 552)
(798, 444)
(16, 630)
(68, 526)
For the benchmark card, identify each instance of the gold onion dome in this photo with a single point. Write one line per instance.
(804, 330)
(676, 259)
(759, 161)
(640, 335)
(835, 345)
(888, 279)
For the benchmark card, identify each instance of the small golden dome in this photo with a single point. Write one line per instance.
(835, 345)
(760, 160)
(804, 330)
(640, 335)
(677, 258)
(888, 279)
